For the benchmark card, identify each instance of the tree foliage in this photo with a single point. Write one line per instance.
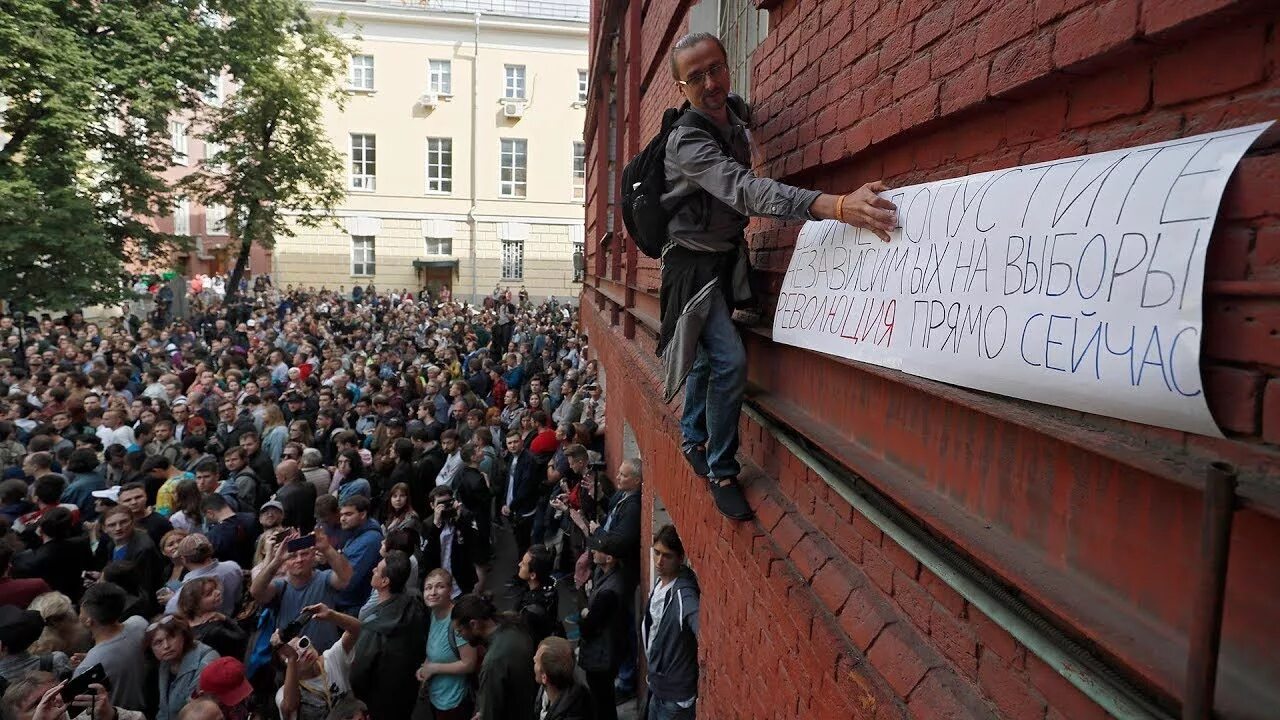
(279, 169)
(87, 89)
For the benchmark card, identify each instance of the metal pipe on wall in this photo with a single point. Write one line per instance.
(1102, 689)
(475, 118)
(1206, 620)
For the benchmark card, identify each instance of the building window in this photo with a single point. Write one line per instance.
(579, 171)
(513, 88)
(582, 86)
(439, 165)
(363, 162)
(361, 72)
(439, 246)
(211, 152)
(742, 29)
(440, 73)
(512, 259)
(579, 254)
(213, 95)
(215, 220)
(362, 261)
(182, 217)
(514, 168)
(178, 139)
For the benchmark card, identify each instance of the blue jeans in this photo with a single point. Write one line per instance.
(669, 710)
(713, 391)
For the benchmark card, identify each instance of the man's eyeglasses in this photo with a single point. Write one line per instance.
(699, 78)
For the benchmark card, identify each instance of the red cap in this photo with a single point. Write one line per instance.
(224, 679)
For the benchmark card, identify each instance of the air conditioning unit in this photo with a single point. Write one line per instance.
(512, 109)
(429, 99)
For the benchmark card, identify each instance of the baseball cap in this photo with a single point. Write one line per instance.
(271, 504)
(19, 628)
(111, 494)
(224, 679)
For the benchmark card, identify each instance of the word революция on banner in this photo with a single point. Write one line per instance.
(1076, 282)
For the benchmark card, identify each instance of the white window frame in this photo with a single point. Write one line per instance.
(363, 171)
(583, 87)
(513, 259)
(513, 150)
(215, 219)
(182, 217)
(514, 82)
(440, 77)
(364, 261)
(214, 96)
(437, 246)
(439, 174)
(360, 75)
(211, 152)
(579, 174)
(178, 139)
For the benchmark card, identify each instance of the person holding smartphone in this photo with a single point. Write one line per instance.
(39, 696)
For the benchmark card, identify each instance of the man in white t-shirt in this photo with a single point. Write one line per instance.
(113, 431)
(315, 682)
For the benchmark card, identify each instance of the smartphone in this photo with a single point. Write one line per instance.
(79, 685)
(301, 543)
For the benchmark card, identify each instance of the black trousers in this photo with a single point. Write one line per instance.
(602, 694)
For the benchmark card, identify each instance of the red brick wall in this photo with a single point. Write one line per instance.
(811, 612)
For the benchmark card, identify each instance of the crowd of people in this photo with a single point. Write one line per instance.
(291, 508)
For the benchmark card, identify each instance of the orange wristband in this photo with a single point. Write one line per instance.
(840, 208)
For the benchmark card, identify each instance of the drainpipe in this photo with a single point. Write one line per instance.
(1206, 619)
(475, 116)
(1025, 627)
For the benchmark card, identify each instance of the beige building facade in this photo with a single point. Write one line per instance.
(463, 139)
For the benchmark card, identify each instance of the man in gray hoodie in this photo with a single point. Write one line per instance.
(670, 632)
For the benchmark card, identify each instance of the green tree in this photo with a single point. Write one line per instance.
(278, 157)
(87, 89)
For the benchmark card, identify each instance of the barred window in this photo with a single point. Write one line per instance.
(512, 259)
(742, 29)
(579, 170)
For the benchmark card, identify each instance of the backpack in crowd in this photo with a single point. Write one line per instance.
(644, 181)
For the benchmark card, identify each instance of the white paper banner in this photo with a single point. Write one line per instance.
(1076, 282)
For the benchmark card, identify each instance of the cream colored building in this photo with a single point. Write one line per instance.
(463, 138)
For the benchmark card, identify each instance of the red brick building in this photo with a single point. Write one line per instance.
(1074, 534)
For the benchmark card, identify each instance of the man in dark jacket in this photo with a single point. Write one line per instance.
(562, 695)
(126, 542)
(506, 688)
(452, 527)
(603, 625)
(390, 648)
(60, 559)
(669, 632)
(520, 495)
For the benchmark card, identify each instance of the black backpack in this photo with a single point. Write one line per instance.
(644, 181)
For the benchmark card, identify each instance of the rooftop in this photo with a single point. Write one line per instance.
(571, 10)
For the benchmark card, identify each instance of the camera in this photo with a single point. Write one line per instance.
(295, 627)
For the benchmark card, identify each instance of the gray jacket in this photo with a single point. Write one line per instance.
(672, 643)
(176, 689)
(696, 164)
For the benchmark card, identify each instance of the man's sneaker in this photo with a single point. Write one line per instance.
(729, 499)
(697, 457)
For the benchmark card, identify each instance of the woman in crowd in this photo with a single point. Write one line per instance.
(200, 604)
(62, 629)
(353, 482)
(398, 512)
(186, 506)
(450, 659)
(274, 433)
(180, 658)
(173, 568)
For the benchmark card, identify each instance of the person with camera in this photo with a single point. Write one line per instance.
(448, 539)
(315, 680)
(38, 696)
(302, 585)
